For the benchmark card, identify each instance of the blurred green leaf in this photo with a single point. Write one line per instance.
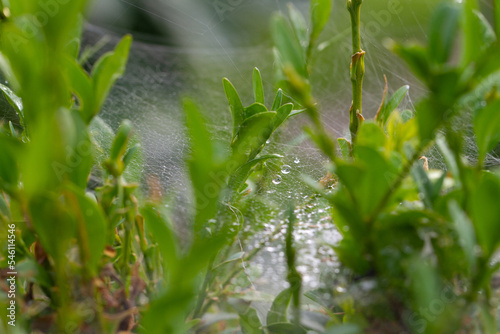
(496, 6)
(444, 26)
(465, 230)
(371, 135)
(416, 57)
(92, 227)
(345, 329)
(258, 88)
(250, 322)
(485, 212)
(424, 185)
(487, 129)
(161, 231)
(204, 170)
(299, 25)
(478, 34)
(320, 13)
(288, 45)
(74, 39)
(49, 214)
(9, 169)
(285, 328)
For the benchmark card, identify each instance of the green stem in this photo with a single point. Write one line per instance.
(357, 69)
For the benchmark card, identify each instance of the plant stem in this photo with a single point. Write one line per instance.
(357, 69)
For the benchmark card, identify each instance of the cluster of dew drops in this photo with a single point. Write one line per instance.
(285, 169)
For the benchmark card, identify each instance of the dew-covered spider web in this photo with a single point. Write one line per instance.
(216, 42)
(208, 49)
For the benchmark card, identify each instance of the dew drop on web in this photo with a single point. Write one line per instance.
(285, 169)
(277, 179)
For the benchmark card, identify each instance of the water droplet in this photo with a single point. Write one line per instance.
(277, 179)
(268, 141)
(296, 160)
(285, 169)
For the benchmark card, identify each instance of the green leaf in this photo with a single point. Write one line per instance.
(416, 57)
(92, 227)
(392, 104)
(282, 114)
(205, 170)
(371, 135)
(368, 178)
(235, 257)
(345, 147)
(48, 214)
(487, 129)
(162, 233)
(485, 212)
(478, 34)
(254, 109)
(285, 328)
(121, 140)
(108, 69)
(75, 38)
(15, 101)
(278, 100)
(252, 136)
(250, 322)
(299, 25)
(424, 185)
(444, 26)
(288, 45)
(237, 110)
(239, 177)
(278, 311)
(9, 170)
(4, 207)
(258, 88)
(320, 13)
(82, 86)
(465, 231)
